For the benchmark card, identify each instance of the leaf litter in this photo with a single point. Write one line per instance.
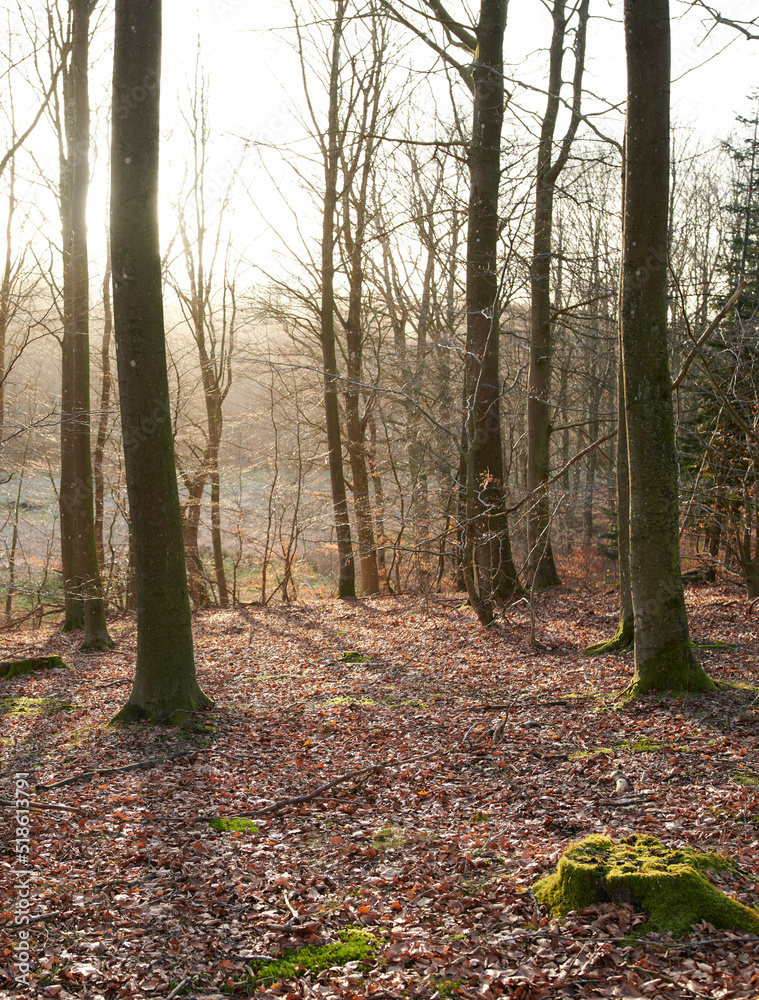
(467, 761)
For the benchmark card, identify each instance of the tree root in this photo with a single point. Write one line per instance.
(622, 641)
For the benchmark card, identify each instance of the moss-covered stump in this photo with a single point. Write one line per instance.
(14, 668)
(668, 885)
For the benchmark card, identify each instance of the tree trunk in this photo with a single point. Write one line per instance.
(78, 113)
(664, 658)
(6, 309)
(214, 440)
(379, 499)
(487, 538)
(346, 581)
(104, 415)
(542, 567)
(165, 687)
(195, 484)
(625, 634)
(72, 592)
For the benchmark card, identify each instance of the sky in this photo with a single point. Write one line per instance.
(256, 93)
(254, 73)
(255, 80)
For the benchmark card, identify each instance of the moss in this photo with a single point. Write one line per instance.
(582, 754)
(449, 987)
(674, 670)
(642, 745)
(355, 945)
(342, 700)
(33, 706)
(480, 817)
(233, 824)
(668, 885)
(352, 656)
(15, 668)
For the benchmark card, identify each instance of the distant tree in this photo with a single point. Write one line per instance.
(551, 163)
(330, 136)
(206, 293)
(165, 686)
(488, 564)
(76, 493)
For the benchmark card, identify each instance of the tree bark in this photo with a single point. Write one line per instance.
(165, 688)
(624, 637)
(361, 162)
(664, 658)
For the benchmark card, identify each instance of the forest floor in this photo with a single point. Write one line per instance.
(433, 846)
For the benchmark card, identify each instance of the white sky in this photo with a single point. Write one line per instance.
(255, 77)
(253, 71)
(255, 82)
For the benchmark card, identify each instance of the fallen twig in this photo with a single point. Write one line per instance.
(44, 805)
(297, 800)
(102, 772)
(37, 917)
(177, 988)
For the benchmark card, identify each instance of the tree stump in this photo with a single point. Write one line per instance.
(668, 885)
(14, 668)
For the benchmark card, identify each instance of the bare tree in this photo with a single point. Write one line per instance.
(542, 568)
(211, 314)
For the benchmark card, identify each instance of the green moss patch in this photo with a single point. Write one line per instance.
(389, 837)
(642, 745)
(33, 706)
(582, 754)
(355, 945)
(233, 824)
(746, 778)
(668, 885)
(340, 700)
(352, 656)
(15, 668)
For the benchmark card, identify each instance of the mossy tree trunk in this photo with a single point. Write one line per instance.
(664, 658)
(165, 686)
(626, 631)
(64, 122)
